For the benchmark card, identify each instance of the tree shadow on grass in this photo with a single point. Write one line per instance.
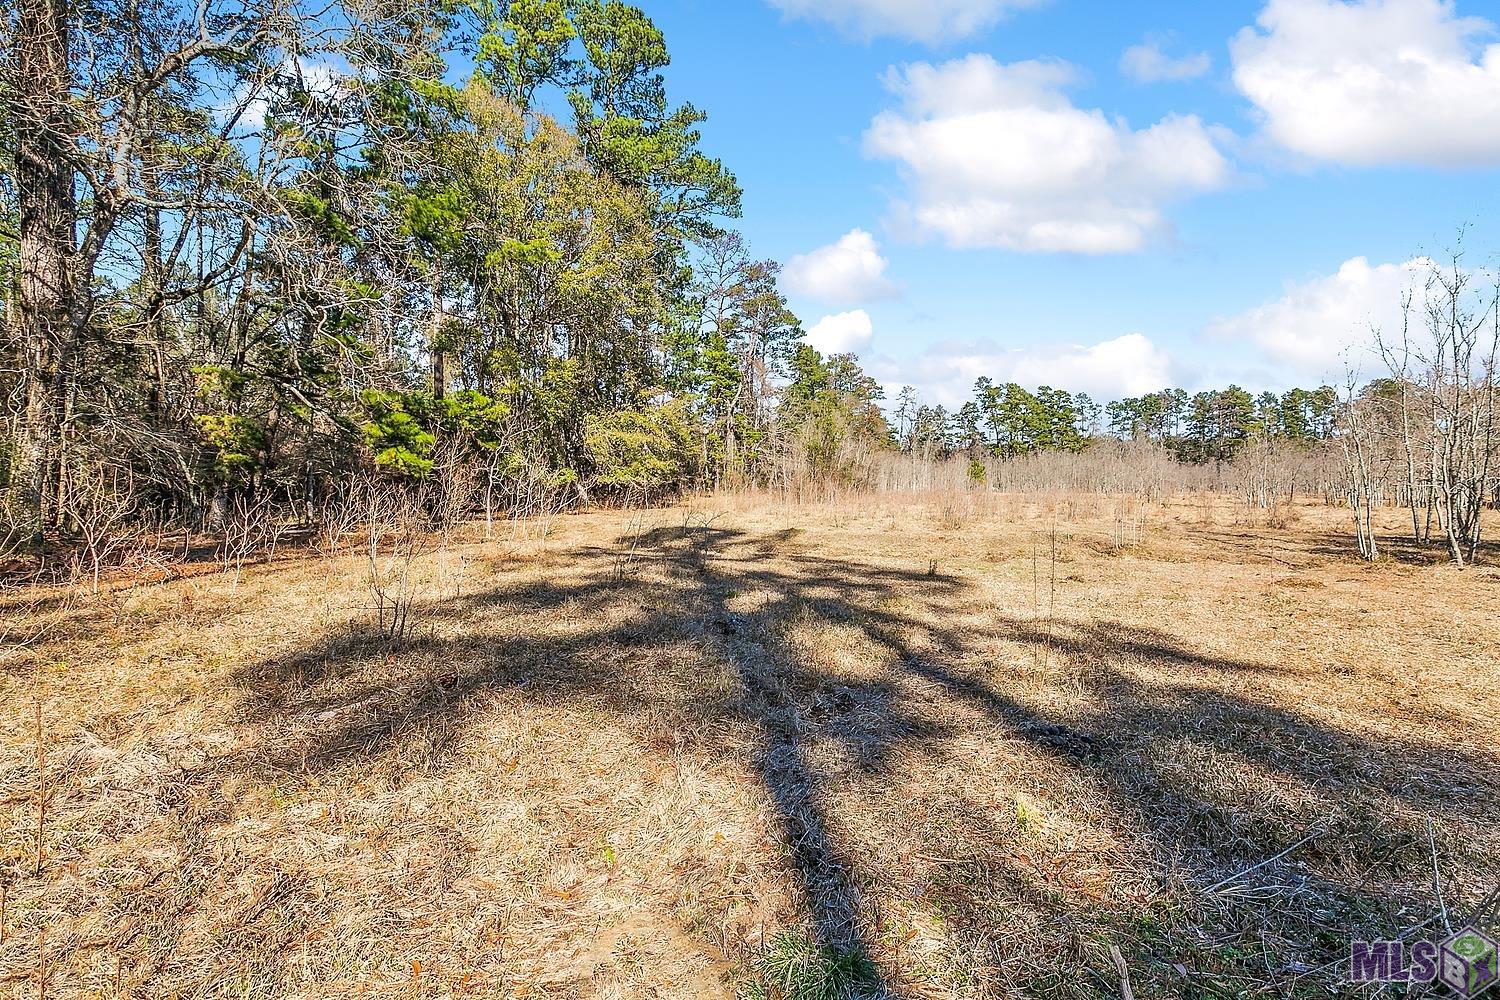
(674, 643)
(1402, 548)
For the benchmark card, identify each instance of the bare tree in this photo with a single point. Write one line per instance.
(1358, 438)
(1416, 435)
(1463, 325)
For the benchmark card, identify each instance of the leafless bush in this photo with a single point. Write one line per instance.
(1465, 340)
(1438, 406)
(458, 485)
(254, 528)
(339, 519)
(1281, 514)
(953, 514)
(625, 553)
(1270, 473)
(101, 509)
(535, 496)
(397, 533)
(1129, 526)
(1144, 468)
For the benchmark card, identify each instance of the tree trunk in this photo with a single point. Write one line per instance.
(435, 338)
(48, 293)
(153, 286)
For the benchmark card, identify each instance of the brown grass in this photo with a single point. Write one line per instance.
(677, 754)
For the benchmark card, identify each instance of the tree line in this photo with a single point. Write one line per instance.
(1213, 426)
(252, 248)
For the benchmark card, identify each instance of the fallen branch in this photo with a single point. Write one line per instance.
(1125, 992)
(1272, 859)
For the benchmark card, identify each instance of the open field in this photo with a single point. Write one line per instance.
(956, 748)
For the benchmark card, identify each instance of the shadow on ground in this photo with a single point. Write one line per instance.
(1145, 732)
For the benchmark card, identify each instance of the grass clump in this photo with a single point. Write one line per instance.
(795, 967)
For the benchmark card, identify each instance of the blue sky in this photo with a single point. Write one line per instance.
(1044, 211)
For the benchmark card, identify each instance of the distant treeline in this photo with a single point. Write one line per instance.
(1010, 421)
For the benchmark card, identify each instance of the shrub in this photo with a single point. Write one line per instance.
(650, 450)
(402, 428)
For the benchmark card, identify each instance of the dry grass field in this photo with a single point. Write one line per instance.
(959, 747)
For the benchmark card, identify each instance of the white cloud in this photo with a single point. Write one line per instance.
(846, 272)
(1147, 63)
(1125, 366)
(931, 21)
(843, 333)
(251, 103)
(1318, 325)
(998, 156)
(1374, 82)
(1304, 337)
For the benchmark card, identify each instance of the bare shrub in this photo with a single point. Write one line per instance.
(1439, 404)
(397, 535)
(1281, 514)
(1270, 473)
(102, 511)
(626, 553)
(253, 529)
(1144, 468)
(536, 496)
(458, 484)
(1129, 525)
(340, 518)
(954, 514)
(1465, 340)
